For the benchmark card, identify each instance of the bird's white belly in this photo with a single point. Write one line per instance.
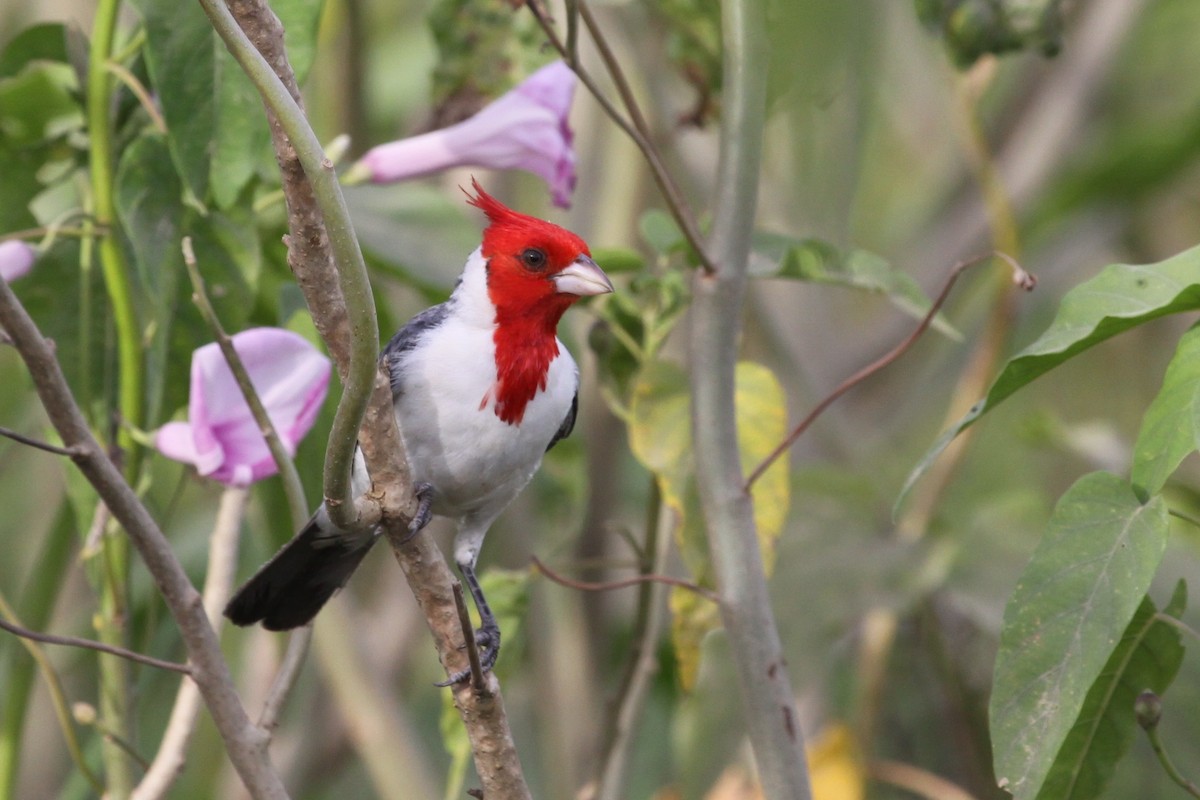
(475, 462)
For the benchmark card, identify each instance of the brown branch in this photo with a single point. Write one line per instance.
(40, 445)
(244, 742)
(89, 644)
(608, 586)
(1021, 278)
(464, 622)
(424, 567)
(636, 127)
(309, 253)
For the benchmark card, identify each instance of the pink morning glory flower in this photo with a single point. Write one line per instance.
(16, 259)
(221, 437)
(526, 128)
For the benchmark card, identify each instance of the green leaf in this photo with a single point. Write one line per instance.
(45, 42)
(37, 106)
(300, 20)
(151, 213)
(618, 259)
(242, 137)
(1148, 657)
(181, 56)
(660, 232)
(1067, 615)
(1171, 427)
(1121, 297)
(778, 256)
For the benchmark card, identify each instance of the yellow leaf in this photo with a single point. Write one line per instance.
(833, 765)
(660, 437)
(692, 618)
(762, 425)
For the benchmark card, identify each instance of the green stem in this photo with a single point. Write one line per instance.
(38, 602)
(622, 726)
(114, 672)
(112, 260)
(1168, 766)
(768, 701)
(352, 270)
(58, 698)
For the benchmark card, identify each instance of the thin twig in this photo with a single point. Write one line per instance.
(636, 128)
(171, 757)
(1160, 751)
(464, 619)
(58, 697)
(1022, 279)
(91, 644)
(292, 485)
(1177, 623)
(620, 738)
(285, 679)
(40, 445)
(140, 92)
(122, 743)
(607, 586)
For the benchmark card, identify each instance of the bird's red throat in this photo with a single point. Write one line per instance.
(525, 347)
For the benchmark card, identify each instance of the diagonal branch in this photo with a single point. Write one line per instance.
(245, 742)
(90, 644)
(37, 443)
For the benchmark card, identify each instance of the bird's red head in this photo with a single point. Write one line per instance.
(535, 271)
(534, 267)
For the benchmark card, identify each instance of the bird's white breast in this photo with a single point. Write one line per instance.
(475, 461)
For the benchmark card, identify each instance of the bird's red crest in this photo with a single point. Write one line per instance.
(496, 211)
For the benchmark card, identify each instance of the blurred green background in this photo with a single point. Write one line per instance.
(875, 141)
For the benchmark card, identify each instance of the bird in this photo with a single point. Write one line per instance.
(482, 388)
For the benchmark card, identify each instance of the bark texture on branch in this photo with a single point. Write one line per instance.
(429, 578)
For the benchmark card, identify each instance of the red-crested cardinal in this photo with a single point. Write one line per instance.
(482, 388)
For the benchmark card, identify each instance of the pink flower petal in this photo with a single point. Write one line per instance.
(16, 259)
(221, 437)
(525, 128)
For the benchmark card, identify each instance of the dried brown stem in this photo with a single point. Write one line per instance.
(40, 445)
(464, 622)
(89, 644)
(608, 586)
(428, 576)
(1021, 278)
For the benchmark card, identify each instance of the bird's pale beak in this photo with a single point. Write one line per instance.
(582, 277)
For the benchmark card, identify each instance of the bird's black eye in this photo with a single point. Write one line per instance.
(533, 259)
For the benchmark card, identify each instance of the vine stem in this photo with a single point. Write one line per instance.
(359, 377)
(111, 577)
(768, 701)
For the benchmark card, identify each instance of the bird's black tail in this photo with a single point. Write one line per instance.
(291, 588)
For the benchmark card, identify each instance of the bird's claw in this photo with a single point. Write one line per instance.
(487, 643)
(424, 512)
